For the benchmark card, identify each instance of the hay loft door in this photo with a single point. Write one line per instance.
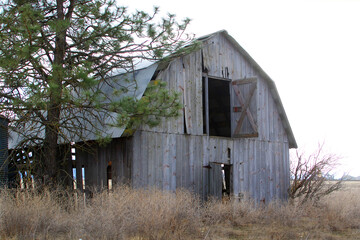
(217, 107)
(244, 112)
(229, 108)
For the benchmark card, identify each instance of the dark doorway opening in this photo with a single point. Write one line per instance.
(220, 180)
(109, 176)
(227, 178)
(216, 111)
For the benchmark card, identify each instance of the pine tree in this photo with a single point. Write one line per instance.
(55, 55)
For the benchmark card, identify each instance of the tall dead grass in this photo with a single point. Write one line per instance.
(31, 215)
(152, 214)
(122, 214)
(148, 214)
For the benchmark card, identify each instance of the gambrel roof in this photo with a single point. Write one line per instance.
(135, 83)
(143, 76)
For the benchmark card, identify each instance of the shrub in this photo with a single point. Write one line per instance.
(309, 182)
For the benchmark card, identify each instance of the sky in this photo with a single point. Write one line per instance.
(310, 48)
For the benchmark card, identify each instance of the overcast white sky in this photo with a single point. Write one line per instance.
(310, 48)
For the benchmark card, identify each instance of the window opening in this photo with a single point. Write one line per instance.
(219, 119)
(109, 175)
(74, 177)
(83, 176)
(22, 185)
(73, 164)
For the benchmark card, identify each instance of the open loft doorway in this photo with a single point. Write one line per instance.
(217, 106)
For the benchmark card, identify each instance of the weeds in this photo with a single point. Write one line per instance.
(152, 214)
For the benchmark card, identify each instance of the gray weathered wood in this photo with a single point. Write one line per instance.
(168, 158)
(215, 180)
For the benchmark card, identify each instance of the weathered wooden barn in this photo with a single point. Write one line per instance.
(233, 136)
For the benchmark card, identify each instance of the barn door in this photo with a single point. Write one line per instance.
(244, 120)
(215, 180)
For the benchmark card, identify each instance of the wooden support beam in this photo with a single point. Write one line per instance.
(244, 81)
(246, 135)
(207, 105)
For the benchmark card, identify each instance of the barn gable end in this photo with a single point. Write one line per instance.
(220, 58)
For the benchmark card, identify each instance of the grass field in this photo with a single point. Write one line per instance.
(351, 185)
(153, 214)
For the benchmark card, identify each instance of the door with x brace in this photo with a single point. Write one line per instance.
(244, 108)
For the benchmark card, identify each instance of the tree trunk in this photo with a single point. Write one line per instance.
(54, 105)
(50, 150)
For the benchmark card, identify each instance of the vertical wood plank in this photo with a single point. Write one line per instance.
(159, 160)
(191, 169)
(144, 160)
(215, 180)
(262, 172)
(236, 161)
(166, 163)
(173, 160)
(179, 160)
(198, 165)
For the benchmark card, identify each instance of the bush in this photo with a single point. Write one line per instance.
(309, 182)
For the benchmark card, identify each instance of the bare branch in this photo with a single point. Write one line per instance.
(309, 183)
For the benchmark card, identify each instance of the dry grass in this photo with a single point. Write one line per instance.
(152, 214)
(30, 215)
(122, 214)
(148, 214)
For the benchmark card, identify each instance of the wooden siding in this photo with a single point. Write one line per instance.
(193, 93)
(242, 90)
(260, 164)
(219, 54)
(176, 154)
(96, 160)
(184, 75)
(219, 57)
(172, 75)
(170, 161)
(261, 169)
(269, 121)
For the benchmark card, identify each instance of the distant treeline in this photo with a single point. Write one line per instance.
(351, 178)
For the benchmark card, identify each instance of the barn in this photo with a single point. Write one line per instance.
(232, 138)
